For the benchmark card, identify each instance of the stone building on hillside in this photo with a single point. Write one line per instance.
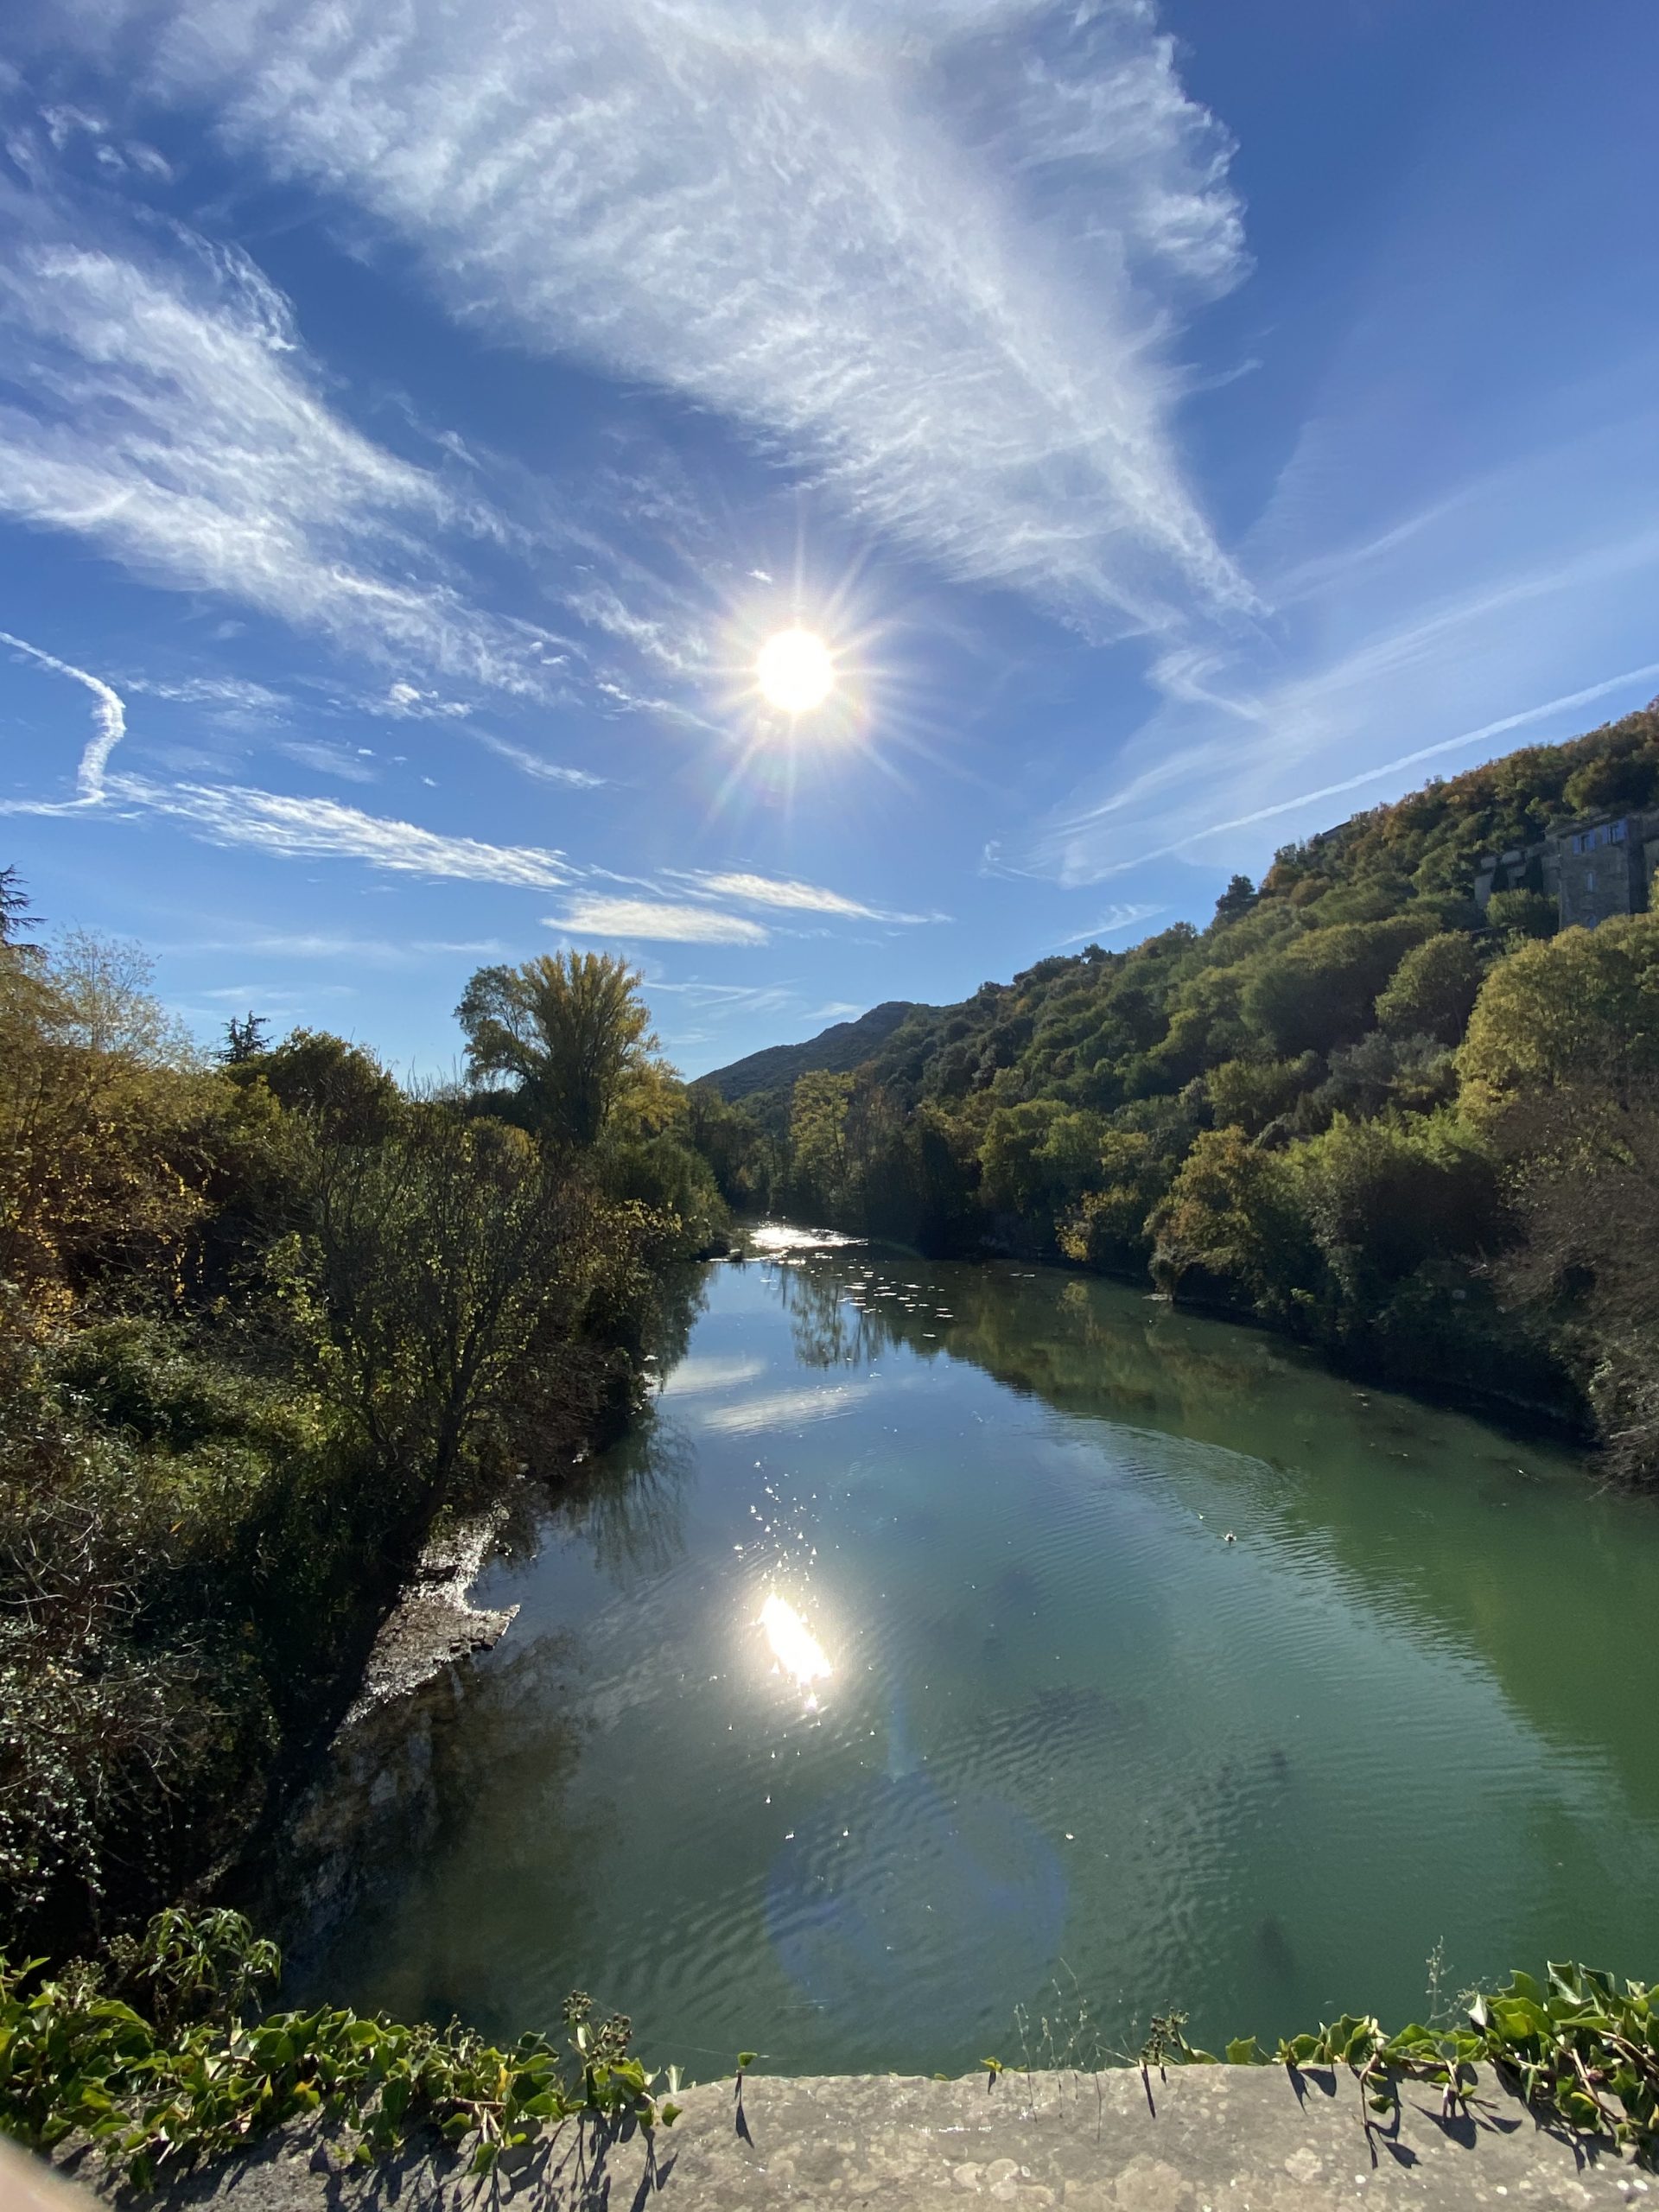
(1598, 865)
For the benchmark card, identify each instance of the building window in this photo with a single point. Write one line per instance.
(1616, 834)
(1589, 879)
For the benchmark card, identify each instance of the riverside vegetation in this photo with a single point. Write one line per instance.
(154, 2059)
(1356, 1107)
(265, 1321)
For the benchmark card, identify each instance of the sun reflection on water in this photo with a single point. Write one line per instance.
(794, 1647)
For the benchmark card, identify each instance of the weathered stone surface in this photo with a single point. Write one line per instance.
(432, 1624)
(1210, 2140)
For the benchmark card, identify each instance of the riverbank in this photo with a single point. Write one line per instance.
(1198, 2139)
(270, 1326)
(1547, 1412)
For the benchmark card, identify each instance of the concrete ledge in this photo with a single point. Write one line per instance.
(1214, 2139)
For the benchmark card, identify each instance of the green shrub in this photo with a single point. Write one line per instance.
(151, 2055)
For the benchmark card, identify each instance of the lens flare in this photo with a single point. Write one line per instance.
(795, 671)
(795, 1647)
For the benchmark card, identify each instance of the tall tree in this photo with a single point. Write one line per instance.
(244, 1041)
(568, 1032)
(14, 916)
(817, 1137)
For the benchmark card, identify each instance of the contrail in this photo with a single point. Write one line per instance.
(1392, 767)
(109, 727)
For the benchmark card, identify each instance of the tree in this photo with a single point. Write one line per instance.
(1248, 1094)
(106, 1126)
(1581, 1005)
(1585, 1175)
(108, 988)
(737, 1148)
(1562, 1065)
(1231, 1232)
(1320, 989)
(1521, 913)
(568, 1031)
(1433, 992)
(448, 1269)
(338, 1087)
(1238, 899)
(1037, 1158)
(1108, 1228)
(1384, 1197)
(244, 1041)
(817, 1137)
(15, 917)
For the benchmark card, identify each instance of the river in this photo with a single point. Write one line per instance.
(969, 1660)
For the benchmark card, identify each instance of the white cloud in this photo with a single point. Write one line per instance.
(673, 647)
(646, 918)
(235, 693)
(322, 829)
(717, 999)
(380, 952)
(159, 404)
(929, 253)
(785, 891)
(1426, 635)
(328, 759)
(1126, 915)
(532, 764)
(406, 700)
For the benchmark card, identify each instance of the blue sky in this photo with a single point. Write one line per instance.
(1185, 426)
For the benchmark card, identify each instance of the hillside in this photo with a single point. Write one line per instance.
(1362, 1104)
(844, 1045)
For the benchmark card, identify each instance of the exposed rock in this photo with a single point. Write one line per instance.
(432, 1624)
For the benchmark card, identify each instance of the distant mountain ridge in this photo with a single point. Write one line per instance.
(839, 1049)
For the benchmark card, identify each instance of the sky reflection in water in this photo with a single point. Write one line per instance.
(842, 1737)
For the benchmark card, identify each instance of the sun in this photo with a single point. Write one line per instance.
(795, 671)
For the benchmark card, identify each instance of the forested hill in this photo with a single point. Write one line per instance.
(846, 1045)
(1356, 1104)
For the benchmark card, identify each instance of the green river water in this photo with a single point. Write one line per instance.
(1076, 1757)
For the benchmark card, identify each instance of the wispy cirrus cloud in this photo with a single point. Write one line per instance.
(1448, 624)
(233, 694)
(351, 764)
(309, 827)
(648, 920)
(321, 829)
(930, 255)
(337, 945)
(534, 766)
(406, 701)
(160, 405)
(786, 893)
(1127, 914)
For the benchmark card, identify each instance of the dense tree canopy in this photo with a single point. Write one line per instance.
(567, 1031)
(1311, 1111)
(262, 1319)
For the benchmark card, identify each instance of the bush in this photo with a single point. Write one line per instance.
(1231, 1230)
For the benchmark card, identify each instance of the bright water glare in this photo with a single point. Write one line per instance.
(896, 1682)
